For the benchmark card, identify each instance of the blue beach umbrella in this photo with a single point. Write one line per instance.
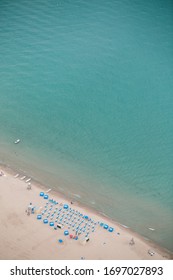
(60, 240)
(65, 206)
(66, 232)
(110, 229)
(45, 221)
(41, 193)
(39, 217)
(105, 226)
(46, 196)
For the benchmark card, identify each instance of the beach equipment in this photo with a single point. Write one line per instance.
(59, 226)
(51, 224)
(46, 196)
(39, 217)
(41, 193)
(60, 241)
(66, 232)
(110, 229)
(28, 180)
(48, 190)
(45, 221)
(105, 226)
(65, 206)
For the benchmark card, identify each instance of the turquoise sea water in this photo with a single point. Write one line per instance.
(88, 88)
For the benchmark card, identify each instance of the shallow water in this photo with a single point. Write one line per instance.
(87, 86)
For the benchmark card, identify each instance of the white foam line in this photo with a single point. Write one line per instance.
(124, 226)
(77, 195)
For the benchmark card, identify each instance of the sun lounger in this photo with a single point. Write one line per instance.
(28, 180)
(48, 190)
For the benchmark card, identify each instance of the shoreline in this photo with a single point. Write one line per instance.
(125, 232)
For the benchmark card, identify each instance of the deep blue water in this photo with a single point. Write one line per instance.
(87, 86)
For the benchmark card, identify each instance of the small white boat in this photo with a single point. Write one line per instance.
(17, 141)
(151, 228)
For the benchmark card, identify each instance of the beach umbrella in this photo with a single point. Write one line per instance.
(39, 217)
(46, 196)
(60, 241)
(110, 229)
(45, 221)
(51, 224)
(41, 193)
(105, 226)
(65, 206)
(66, 232)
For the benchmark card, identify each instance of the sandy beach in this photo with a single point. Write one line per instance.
(24, 236)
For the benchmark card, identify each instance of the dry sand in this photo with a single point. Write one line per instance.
(24, 237)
